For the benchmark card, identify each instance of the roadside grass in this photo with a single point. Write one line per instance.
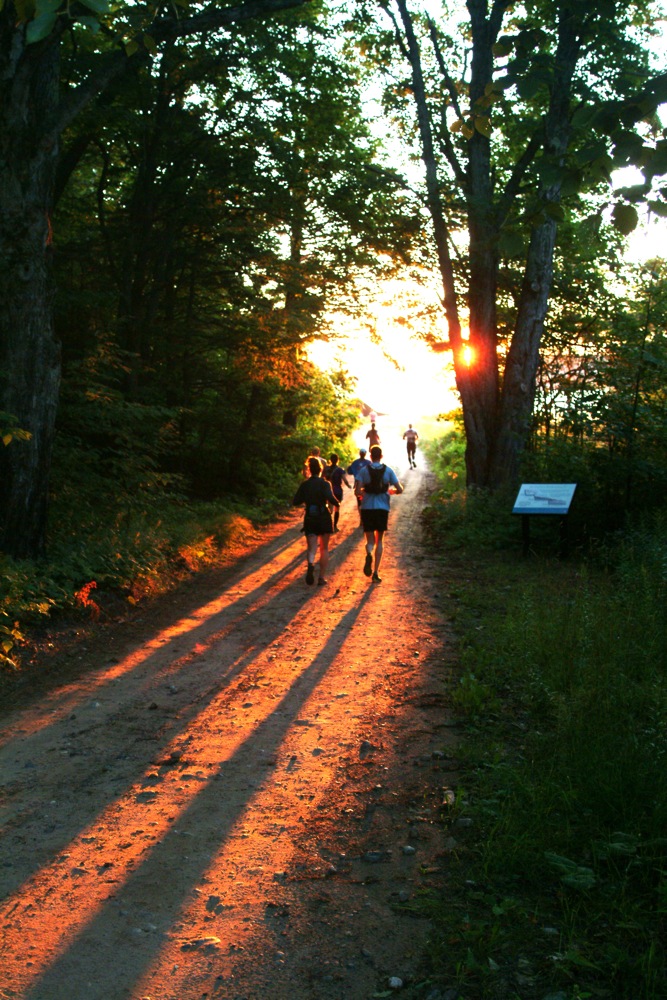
(558, 888)
(106, 557)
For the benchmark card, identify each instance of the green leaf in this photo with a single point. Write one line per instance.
(656, 161)
(25, 10)
(635, 193)
(572, 182)
(483, 125)
(529, 85)
(47, 7)
(90, 22)
(511, 244)
(503, 46)
(457, 125)
(40, 28)
(625, 218)
(555, 211)
(150, 44)
(131, 47)
(99, 6)
(571, 874)
(591, 153)
(658, 208)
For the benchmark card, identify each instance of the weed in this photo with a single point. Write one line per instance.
(563, 687)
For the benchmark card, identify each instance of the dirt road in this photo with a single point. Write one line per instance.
(241, 790)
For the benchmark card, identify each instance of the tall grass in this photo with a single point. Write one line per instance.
(104, 553)
(563, 696)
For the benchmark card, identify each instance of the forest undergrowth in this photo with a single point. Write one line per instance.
(562, 697)
(103, 563)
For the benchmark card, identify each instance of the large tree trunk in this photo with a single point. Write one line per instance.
(29, 353)
(520, 376)
(33, 113)
(496, 412)
(478, 381)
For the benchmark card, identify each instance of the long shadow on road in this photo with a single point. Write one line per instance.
(100, 941)
(121, 756)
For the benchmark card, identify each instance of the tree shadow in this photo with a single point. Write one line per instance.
(102, 940)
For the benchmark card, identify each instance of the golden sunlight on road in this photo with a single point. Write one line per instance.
(166, 817)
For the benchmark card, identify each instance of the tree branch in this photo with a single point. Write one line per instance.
(163, 29)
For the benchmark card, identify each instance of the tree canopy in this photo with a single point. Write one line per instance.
(520, 115)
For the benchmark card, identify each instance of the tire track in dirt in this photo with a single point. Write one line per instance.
(236, 805)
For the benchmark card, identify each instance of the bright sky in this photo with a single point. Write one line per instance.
(397, 374)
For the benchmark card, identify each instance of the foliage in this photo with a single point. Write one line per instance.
(562, 695)
(225, 226)
(520, 114)
(9, 431)
(114, 551)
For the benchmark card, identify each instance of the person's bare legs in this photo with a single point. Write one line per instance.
(311, 554)
(370, 545)
(324, 558)
(379, 549)
(374, 543)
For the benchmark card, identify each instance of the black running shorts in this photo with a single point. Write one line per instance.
(374, 520)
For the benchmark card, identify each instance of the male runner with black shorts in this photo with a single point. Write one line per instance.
(374, 484)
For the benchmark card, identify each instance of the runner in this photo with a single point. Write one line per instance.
(315, 493)
(315, 453)
(353, 469)
(336, 476)
(374, 484)
(372, 435)
(411, 437)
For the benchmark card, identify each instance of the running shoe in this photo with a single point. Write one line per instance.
(368, 565)
(376, 578)
(310, 574)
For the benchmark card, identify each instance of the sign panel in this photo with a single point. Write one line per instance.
(544, 498)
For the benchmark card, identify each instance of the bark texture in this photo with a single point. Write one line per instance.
(497, 404)
(29, 353)
(33, 113)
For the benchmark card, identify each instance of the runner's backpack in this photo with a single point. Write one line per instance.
(376, 485)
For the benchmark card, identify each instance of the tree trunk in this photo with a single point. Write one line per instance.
(29, 353)
(520, 375)
(496, 412)
(32, 117)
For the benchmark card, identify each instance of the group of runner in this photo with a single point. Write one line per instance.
(321, 492)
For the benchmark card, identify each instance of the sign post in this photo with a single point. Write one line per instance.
(544, 499)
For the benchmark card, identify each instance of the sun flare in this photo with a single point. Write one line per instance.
(468, 355)
(395, 372)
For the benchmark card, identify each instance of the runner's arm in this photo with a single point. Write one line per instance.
(359, 484)
(394, 483)
(329, 497)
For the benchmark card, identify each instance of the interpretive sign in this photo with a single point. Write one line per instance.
(544, 498)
